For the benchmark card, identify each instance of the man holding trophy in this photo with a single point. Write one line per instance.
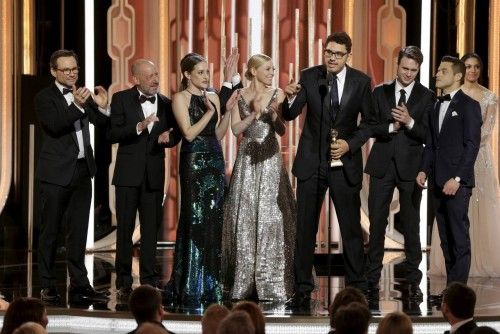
(329, 156)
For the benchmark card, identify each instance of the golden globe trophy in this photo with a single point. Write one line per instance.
(333, 138)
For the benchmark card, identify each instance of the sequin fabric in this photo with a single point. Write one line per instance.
(259, 217)
(195, 280)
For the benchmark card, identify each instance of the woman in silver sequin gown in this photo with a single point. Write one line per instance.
(484, 206)
(260, 209)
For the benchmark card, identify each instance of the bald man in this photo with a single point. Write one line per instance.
(143, 124)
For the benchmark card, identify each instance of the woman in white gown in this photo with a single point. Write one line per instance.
(484, 205)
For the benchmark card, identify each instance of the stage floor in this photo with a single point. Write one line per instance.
(18, 277)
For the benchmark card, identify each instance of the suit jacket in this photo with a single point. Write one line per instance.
(59, 153)
(405, 146)
(314, 142)
(140, 155)
(466, 328)
(225, 94)
(453, 151)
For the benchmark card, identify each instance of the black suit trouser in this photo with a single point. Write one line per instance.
(65, 207)
(345, 197)
(149, 204)
(453, 226)
(379, 201)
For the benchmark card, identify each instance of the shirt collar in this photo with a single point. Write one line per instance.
(407, 89)
(453, 93)
(141, 93)
(460, 323)
(59, 86)
(341, 75)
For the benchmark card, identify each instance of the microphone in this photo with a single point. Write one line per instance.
(323, 88)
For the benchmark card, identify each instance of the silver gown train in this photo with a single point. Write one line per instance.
(259, 217)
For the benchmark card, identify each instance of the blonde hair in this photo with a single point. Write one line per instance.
(254, 62)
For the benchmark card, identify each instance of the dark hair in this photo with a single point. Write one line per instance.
(344, 298)
(411, 52)
(144, 302)
(212, 318)
(59, 54)
(23, 310)
(352, 319)
(340, 38)
(479, 60)
(484, 330)
(460, 299)
(255, 314)
(236, 322)
(395, 323)
(188, 62)
(458, 66)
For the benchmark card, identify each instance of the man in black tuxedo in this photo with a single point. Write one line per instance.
(143, 124)
(393, 163)
(458, 305)
(451, 149)
(335, 95)
(64, 169)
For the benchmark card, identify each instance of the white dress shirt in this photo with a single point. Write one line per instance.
(444, 107)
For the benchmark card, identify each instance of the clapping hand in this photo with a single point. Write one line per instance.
(80, 95)
(231, 65)
(144, 124)
(101, 97)
(208, 104)
(233, 100)
(164, 137)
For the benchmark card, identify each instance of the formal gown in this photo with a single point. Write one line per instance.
(259, 216)
(195, 277)
(484, 207)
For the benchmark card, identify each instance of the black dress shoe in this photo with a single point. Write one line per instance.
(299, 300)
(50, 295)
(415, 294)
(86, 293)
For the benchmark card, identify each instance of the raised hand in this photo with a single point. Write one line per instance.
(80, 95)
(292, 88)
(231, 103)
(101, 97)
(231, 64)
(143, 125)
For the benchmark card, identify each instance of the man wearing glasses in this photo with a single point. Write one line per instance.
(64, 171)
(335, 95)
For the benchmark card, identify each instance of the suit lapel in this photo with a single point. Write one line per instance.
(451, 107)
(63, 104)
(348, 90)
(136, 104)
(416, 94)
(390, 96)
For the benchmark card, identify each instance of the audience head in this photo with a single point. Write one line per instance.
(150, 328)
(336, 51)
(484, 330)
(30, 328)
(260, 67)
(450, 73)
(212, 318)
(194, 69)
(24, 309)
(64, 67)
(145, 303)
(146, 77)
(344, 298)
(352, 319)
(473, 67)
(459, 302)
(236, 322)
(255, 314)
(395, 323)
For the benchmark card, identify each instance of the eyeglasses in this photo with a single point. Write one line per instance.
(68, 71)
(329, 53)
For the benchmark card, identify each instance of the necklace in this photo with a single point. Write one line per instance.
(190, 92)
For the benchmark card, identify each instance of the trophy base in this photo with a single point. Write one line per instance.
(336, 163)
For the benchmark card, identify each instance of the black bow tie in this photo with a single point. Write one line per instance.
(66, 91)
(144, 98)
(443, 98)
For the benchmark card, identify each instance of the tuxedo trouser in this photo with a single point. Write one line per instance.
(379, 201)
(65, 207)
(149, 204)
(310, 196)
(453, 226)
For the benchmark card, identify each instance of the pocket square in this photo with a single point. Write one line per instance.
(454, 113)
